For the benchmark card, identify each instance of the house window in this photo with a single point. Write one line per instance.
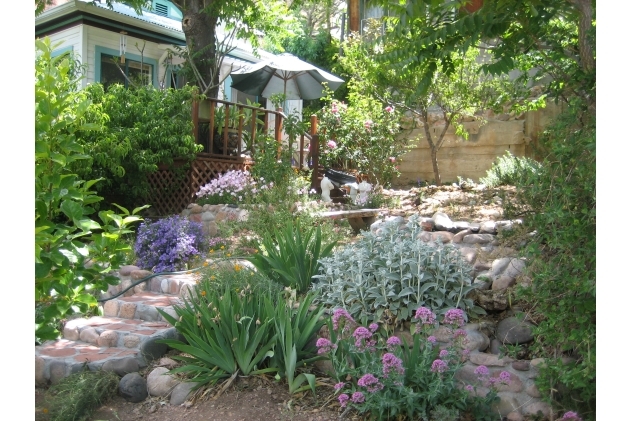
(113, 71)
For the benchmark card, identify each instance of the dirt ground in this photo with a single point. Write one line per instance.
(260, 398)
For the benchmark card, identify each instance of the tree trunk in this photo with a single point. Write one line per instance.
(201, 40)
(434, 153)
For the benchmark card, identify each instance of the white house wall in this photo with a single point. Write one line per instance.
(70, 40)
(97, 37)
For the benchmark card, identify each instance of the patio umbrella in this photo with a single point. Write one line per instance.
(285, 74)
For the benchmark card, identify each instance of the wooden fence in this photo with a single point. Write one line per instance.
(173, 188)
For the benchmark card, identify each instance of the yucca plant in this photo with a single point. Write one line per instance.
(226, 333)
(292, 257)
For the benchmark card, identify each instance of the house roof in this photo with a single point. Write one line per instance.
(122, 17)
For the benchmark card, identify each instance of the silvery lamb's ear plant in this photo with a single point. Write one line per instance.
(393, 273)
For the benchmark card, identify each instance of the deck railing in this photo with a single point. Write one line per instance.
(232, 150)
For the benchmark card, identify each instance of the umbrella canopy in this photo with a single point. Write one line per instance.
(285, 74)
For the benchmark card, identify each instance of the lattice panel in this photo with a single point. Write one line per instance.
(170, 193)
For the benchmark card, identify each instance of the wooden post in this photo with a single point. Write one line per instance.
(278, 130)
(196, 120)
(314, 151)
(353, 15)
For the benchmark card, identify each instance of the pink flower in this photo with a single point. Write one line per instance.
(370, 382)
(324, 345)
(425, 316)
(439, 366)
(393, 159)
(393, 342)
(358, 397)
(431, 339)
(391, 362)
(455, 317)
(389, 109)
(338, 314)
(443, 354)
(331, 144)
(373, 327)
(571, 416)
(339, 385)
(368, 124)
(343, 398)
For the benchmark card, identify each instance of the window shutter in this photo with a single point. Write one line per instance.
(161, 8)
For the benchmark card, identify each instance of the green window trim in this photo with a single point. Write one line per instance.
(99, 51)
(64, 50)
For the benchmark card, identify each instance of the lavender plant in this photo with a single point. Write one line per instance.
(387, 276)
(169, 244)
(390, 379)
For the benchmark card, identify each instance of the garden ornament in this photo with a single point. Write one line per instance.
(326, 187)
(364, 188)
(353, 190)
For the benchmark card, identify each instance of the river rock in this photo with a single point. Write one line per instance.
(514, 331)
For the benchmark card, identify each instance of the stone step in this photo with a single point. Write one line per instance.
(101, 342)
(142, 306)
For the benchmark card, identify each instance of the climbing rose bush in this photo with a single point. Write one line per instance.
(169, 244)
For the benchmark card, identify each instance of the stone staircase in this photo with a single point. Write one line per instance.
(125, 338)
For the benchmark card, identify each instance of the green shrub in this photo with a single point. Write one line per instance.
(510, 170)
(562, 197)
(144, 127)
(388, 276)
(77, 396)
(291, 256)
(74, 252)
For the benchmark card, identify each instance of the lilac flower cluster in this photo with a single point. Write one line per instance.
(169, 244)
(364, 340)
(571, 416)
(393, 342)
(324, 345)
(342, 314)
(370, 382)
(425, 316)
(439, 366)
(391, 363)
(485, 376)
(454, 317)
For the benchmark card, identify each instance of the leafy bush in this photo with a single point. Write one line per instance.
(391, 379)
(291, 257)
(67, 234)
(77, 396)
(388, 276)
(268, 161)
(144, 127)
(563, 255)
(169, 244)
(237, 277)
(510, 170)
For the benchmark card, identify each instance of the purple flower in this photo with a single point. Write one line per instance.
(393, 342)
(358, 397)
(482, 371)
(391, 363)
(373, 327)
(425, 316)
(324, 345)
(331, 144)
(505, 377)
(339, 385)
(454, 317)
(370, 382)
(571, 415)
(338, 314)
(439, 366)
(359, 334)
(460, 333)
(443, 354)
(431, 339)
(469, 388)
(343, 398)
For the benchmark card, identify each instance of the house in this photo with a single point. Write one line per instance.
(100, 36)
